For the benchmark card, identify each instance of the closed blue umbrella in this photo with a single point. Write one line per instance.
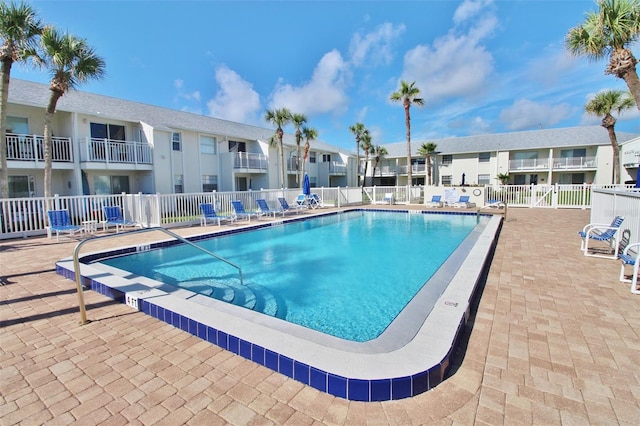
(306, 186)
(638, 177)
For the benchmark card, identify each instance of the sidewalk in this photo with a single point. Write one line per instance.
(555, 340)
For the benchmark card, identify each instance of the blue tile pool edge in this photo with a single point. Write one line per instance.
(350, 388)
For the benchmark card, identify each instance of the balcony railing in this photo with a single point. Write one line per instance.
(574, 163)
(337, 168)
(114, 151)
(31, 148)
(418, 169)
(529, 164)
(247, 160)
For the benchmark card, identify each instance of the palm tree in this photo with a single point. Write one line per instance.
(279, 118)
(602, 105)
(408, 94)
(308, 133)
(298, 120)
(367, 148)
(427, 149)
(503, 178)
(71, 61)
(609, 32)
(379, 152)
(19, 31)
(358, 130)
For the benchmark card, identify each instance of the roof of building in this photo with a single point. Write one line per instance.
(515, 141)
(25, 92)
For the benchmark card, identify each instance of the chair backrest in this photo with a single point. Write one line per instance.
(238, 207)
(208, 210)
(609, 233)
(59, 218)
(283, 203)
(112, 213)
(464, 199)
(436, 198)
(262, 204)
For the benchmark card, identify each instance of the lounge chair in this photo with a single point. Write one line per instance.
(302, 201)
(286, 208)
(264, 208)
(603, 233)
(436, 201)
(59, 221)
(315, 201)
(209, 214)
(241, 213)
(388, 198)
(463, 202)
(631, 257)
(113, 216)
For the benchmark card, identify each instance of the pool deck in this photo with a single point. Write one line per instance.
(555, 340)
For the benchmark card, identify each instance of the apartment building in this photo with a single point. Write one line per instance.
(104, 145)
(573, 155)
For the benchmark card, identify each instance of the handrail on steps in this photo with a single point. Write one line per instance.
(76, 259)
(497, 204)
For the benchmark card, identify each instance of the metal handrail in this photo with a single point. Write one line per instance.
(76, 259)
(493, 205)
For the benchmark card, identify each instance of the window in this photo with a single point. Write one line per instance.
(447, 159)
(17, 125)
(326, 158)
(572, 179)
(103, 185)
(176, 140)
(525, 155)
(21, 186)
(178, 187)
(207, 145)
(112, 132)
(573, 153)
(235, 146)
(312, 157)
(520, 180)
(484, 179)
(484, 157)
(209, 183)
(446, 180)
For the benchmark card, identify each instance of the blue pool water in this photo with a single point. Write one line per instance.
(348, 275)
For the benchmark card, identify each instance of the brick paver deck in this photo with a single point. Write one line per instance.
(555, 340)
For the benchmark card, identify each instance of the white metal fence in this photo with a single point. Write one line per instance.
(608, 203)
(23, 217)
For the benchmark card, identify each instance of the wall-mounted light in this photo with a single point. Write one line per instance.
(84, 120)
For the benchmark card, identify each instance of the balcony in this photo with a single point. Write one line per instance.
(115, 151)
(574, 163)
(246, 160)
(416, 169)
(337, 168)
(529, 164)
(31, 148)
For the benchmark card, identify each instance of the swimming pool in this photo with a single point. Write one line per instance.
(346, 275)
(409, 357)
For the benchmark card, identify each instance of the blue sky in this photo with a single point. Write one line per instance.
(483, 66)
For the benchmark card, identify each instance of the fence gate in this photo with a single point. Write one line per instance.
(542, 196)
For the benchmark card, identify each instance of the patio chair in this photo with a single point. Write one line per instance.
(241, 213)
(59, 221)
(388, 198)
(436, 201)
(631, 257)
(302, 201)
(286, 208)
(463, 202)
(113, 216)
(603, 233)
(264, 208)
(209, 214)
(315, 201)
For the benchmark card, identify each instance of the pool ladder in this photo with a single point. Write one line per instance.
(76, 259)
(496, 205)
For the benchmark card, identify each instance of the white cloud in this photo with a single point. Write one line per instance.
(468, 9)
(325, 92)
(235, 100)
(375, 47)
(193, 96)
(525, 114)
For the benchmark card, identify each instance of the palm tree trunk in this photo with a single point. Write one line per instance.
(4, 171)
(616, 154)
(48, 119)
(631, 78)
(408, 124)
(298, 171)
(428, 170)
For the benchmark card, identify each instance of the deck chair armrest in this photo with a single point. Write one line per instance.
(601, 228)
(588, 226)
(632, 246)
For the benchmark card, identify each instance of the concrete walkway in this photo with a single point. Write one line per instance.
(555, 340)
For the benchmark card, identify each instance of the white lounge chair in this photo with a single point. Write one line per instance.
(463, 202)
(631, 257)
(436, 201)
(209, 214)
(603, 233)
(241, 213)
(286, 208)
(264, 208)
(59, 221)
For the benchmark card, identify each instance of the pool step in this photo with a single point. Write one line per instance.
(256, 297)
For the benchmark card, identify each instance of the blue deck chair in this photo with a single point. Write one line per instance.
(264, 208)
(286, 208)
(209, 214)
(59, 221)
(436, 201)
(241, 213)
(302, 201)
(464, 202)
(113, 216)
(603, 233)
(631, 257)
(315, 201)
